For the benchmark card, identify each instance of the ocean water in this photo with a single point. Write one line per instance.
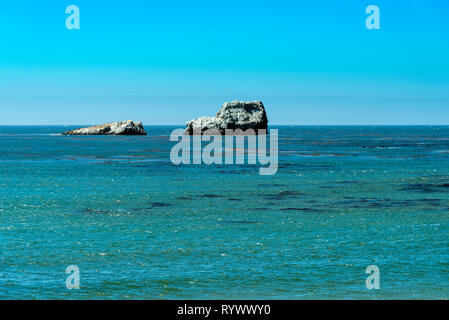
(139, 227)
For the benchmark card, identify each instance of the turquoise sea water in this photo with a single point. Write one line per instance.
(139, 227)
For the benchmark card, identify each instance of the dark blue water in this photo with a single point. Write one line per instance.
(139, 227)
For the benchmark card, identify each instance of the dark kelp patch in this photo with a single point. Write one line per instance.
(209, 196)
(290, 193)
(160, 204)
(429, 200)
(420, 187)
(301, 209)
(426, 187)
(286, 194)
(184, 198)
(372, 203)
(267, 185)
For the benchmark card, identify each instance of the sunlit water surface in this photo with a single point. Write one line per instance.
(139, 227)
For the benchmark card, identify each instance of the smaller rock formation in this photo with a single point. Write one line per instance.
(121, 128)
(232, 115)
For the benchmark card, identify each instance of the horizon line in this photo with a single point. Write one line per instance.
(277, 125)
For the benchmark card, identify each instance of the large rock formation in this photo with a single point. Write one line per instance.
(122, 128)
(232, 115)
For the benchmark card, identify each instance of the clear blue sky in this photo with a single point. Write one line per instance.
(165, 62)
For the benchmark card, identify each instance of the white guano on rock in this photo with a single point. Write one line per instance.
(232, 115)
(122, 128)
